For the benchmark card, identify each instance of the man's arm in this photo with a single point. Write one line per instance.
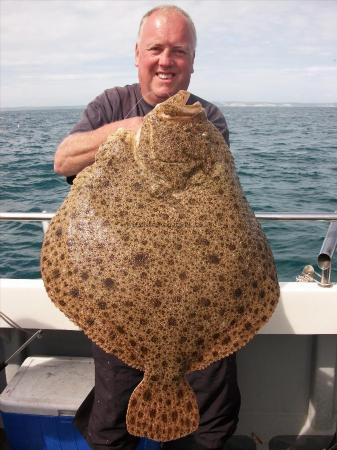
(78, 150)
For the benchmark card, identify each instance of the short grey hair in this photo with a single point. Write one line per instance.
(171, 8)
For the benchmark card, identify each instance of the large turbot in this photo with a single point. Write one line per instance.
(157, 256)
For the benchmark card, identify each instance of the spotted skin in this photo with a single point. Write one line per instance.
(157, 256)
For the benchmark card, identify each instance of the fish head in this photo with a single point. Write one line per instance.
(176, 138)
(175, 133)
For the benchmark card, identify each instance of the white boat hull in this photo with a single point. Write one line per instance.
(304, 308)
(287, 373)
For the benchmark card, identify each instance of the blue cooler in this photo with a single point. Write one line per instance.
(39, 404)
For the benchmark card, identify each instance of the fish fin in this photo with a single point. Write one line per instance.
(209, 356)
(226, 344)
(162, 412)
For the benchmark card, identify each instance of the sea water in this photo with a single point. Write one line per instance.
(286, 158)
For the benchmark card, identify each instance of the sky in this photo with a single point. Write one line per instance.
(65, 53)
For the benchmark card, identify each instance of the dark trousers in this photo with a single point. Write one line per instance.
(101, 417)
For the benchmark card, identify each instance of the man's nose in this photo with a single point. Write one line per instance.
(165, 58)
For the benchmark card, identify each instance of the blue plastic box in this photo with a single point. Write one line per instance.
(39, 404)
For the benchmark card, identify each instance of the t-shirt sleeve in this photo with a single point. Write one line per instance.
(90, 120)
(99, 112)
(215, 116)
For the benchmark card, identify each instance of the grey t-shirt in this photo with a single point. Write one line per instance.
(119, 103)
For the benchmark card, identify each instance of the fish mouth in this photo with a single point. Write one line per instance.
(180, 113)
(176, 108)
(184, 114)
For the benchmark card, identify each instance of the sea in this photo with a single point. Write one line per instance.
(285, 156)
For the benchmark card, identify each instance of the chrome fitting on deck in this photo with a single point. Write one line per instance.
(324, 260)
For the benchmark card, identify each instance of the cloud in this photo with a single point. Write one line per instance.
(73, 76)
(59, 32)
(56, 44)
(311, 84)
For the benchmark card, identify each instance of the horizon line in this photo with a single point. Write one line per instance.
(227, 103)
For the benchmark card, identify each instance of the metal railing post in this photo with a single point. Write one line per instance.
(324, 259)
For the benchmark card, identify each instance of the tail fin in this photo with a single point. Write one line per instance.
(162, 412)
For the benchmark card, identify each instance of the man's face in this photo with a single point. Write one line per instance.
(164, 56)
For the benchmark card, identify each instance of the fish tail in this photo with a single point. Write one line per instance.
(162, 412)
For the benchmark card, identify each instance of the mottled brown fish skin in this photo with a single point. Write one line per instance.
(157, 256)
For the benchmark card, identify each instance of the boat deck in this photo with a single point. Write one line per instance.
(248, 443)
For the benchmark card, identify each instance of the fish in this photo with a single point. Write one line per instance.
(157, 256)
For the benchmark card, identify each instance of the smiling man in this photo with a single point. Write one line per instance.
(164, 56)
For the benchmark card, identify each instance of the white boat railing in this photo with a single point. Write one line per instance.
(304, 308)
(40, 216)
(324, 259)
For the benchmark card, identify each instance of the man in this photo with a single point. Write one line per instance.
(164, 56)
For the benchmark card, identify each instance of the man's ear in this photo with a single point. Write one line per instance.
(136, 55)
(192, 71)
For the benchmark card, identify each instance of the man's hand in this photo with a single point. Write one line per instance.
(132, 123)
(78, 150)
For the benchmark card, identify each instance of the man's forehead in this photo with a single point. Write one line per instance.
(161, 17)
(165, 43)
(160, 25)
(159, 21)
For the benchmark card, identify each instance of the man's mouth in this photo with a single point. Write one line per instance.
(165, 76)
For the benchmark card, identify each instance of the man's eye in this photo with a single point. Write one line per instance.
(180, 51)
(154, 50)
